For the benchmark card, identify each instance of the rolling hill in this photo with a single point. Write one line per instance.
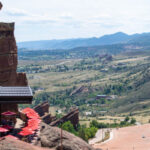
(116, 38)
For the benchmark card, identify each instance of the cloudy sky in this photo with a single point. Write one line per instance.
(61, 19)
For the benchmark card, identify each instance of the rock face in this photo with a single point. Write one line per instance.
(42, 109)
(8, 63)
(50, 137)
(81, 89)
(8, 58)
(12, 144)
(72, 116)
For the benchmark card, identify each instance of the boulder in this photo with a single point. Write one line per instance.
(12, 144)
(51, 137)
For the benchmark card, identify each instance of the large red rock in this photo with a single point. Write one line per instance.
(72, 116)
(8, 63)
(50, 137)
(9, 58)
(12, 144)
(7, 45)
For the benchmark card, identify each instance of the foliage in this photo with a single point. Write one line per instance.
(69, 127)
(133, 121)
(124, 123)
(82, 131)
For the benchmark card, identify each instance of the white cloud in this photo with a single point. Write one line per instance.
(15, 12)
(49, 19)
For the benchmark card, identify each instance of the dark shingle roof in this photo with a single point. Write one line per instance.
(16, 94)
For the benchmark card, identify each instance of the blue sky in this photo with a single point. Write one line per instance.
(61, 19)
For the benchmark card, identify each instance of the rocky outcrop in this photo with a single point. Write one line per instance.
(8, 63)
(1, 5)
(51, 137)
(8, 58)
(12, 144)
(47, 118)
(81, 89)
(72, 116)
(42, 109)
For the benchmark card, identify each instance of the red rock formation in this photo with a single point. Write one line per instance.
(8, 63)
(47, 118)
(1, 5)
(72, 116)
(8, 58)
(12, 144)
(42, 109)
(51, 137)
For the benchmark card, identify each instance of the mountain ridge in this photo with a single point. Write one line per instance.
(110, 39)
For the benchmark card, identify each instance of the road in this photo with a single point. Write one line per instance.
(99, 136)
(128, 138)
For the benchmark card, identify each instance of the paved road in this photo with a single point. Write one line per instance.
(128, 138)
(99, 136)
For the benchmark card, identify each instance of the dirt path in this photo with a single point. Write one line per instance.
(128, 138)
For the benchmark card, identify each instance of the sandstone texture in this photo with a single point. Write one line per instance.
(8, 58)
(12, 144)
(72, 116)
(8, 63)
(42, 108)
(50, 137)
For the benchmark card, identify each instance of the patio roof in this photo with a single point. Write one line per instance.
(19, 95)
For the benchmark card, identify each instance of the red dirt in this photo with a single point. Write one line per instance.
(129, 138)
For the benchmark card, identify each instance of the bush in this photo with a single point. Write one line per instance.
(69, 127)
(133, 121)
(87, 133)
(82, 131)
(127, 119)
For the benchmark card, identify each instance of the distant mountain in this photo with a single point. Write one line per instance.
(116, 38)
(140, 39)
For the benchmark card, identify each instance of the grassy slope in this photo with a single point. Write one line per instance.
(133, 72)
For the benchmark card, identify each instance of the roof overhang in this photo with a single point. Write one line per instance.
(18, 95)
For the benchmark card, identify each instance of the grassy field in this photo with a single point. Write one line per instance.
(126, 76)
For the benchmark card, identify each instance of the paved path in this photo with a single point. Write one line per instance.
(128, 138)
(99, 136)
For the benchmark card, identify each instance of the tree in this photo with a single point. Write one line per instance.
(127, 119)
(94, 123)
(133, 121)
(68, 126)
(82, 133)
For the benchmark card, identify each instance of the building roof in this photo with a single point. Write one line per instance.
(20, 95)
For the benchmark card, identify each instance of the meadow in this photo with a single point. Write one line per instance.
(74, 82)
